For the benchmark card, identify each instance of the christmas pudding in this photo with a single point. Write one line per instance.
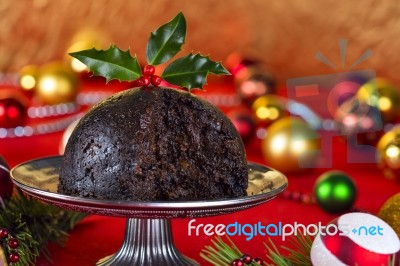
(153, 143)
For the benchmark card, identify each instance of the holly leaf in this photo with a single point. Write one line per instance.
(191, 71)
(166, 41)
(112, 63)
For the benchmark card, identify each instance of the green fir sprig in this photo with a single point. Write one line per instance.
(223, 253)
(298, 253)
(188, 72)
(34, 224)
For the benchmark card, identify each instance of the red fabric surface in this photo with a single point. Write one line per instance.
(98, 236)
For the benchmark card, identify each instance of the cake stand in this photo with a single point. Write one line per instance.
(148, 235)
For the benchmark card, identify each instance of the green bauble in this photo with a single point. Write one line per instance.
(335, 192)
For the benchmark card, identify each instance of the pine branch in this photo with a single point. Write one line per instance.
(222, 253)
(35, 224)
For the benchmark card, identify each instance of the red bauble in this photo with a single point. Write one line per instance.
(6, 185)
(244, 123)
(12, 108)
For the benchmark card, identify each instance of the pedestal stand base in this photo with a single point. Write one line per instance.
(147, 242)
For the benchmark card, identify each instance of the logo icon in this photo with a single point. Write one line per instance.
(333, 99)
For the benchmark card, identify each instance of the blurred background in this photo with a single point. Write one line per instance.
(285, 35)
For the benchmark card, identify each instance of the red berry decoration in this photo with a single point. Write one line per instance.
(258, 260)
(246, 258)
(6, 185)
(148, 70)
(14, 257)
(12, 109)
(237, 262)
(144, 81)
(13, 243)
(155, 80)
(3, 233)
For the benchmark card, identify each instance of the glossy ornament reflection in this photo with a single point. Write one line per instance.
(13, 105)
(244, 123)
(28, 77)
(383, 95)
(56, 83)
(390, 212)
(388, 154)
(335, 192)
(291, 145)
(82, 40)
(269, 108)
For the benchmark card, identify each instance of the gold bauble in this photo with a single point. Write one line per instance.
(83, 40)
(3, 260)
(383, 95)
(56, 83)
(390, 212)
(388, 154)
(269, 108)
(28, 77)
(291, 145)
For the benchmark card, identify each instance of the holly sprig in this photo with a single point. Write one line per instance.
(188, 72)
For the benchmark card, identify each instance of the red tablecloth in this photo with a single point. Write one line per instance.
(97, 236)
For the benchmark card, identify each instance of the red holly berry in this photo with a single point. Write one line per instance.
(13, 243)
(246, 258)
(14, 257)
(237, 262)
(144, 81)
(3, 233)
(258, 260)
(148, 70)
(155, 80)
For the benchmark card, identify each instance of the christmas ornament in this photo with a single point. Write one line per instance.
(244, 122)
(28, 77)
(355, 239)
(12, 108)
(291, 145)
(388, 154)
(357, 117)
(390, 212)
(335, 191)
(252, 82)
(85, 39)
(269, 108)
(6, 185)
(38, 129)
(56, 83)
(3, 260)
(251, 78)
(383, 95)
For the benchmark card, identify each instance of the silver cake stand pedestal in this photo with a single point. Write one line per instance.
(148, 234)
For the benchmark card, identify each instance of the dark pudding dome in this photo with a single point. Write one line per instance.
(154, 144)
